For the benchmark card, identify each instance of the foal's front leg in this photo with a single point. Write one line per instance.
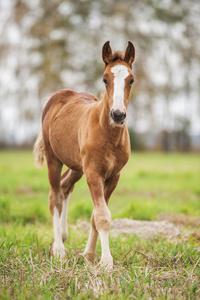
(101, 217)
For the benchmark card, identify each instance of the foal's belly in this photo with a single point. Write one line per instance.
(66, 151)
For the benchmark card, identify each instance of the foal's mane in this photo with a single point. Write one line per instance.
(117, 55)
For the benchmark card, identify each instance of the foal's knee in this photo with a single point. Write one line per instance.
(102, 218)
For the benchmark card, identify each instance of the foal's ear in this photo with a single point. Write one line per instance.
(129, 54)
(106, 53)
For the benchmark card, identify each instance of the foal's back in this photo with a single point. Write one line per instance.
(65, 100)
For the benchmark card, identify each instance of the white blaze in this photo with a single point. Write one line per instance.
(120, 73)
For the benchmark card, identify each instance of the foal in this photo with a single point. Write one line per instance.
(88, 136)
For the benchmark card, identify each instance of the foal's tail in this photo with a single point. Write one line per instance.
(38, 150)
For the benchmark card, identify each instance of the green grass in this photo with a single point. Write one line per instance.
(150, 184)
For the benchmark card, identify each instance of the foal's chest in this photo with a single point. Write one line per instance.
(115, 161)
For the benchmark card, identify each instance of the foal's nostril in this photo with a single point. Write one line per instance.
(123, 115)
(117, 115)
(112, 113)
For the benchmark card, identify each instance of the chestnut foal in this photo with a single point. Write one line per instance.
(88, 136)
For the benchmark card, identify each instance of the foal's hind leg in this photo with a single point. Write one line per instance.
(68, 179)
(55, 201)
(90, 250)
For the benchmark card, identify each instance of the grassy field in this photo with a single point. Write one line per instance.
(150, 185)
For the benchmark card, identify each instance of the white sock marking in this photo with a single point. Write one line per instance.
(57, 226)
(120, 73)
(106, 258)
(64, 215)
(58, 246)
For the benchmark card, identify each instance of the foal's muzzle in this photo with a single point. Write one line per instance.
(118, 116)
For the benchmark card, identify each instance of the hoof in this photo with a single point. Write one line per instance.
(90, 257)
(58, 250)
(107, 262)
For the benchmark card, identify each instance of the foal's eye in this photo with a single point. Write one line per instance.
(105, 81)
(132, 80)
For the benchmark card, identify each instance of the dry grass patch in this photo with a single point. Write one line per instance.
(180, 219)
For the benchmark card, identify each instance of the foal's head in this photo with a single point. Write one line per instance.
(118, 79)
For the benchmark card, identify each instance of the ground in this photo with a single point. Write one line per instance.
(152, 187)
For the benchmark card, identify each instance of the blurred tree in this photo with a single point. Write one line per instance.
(182, 136)
(137, 144)
(68, 38)
(54, 44)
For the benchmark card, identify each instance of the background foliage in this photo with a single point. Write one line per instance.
(49, 45)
